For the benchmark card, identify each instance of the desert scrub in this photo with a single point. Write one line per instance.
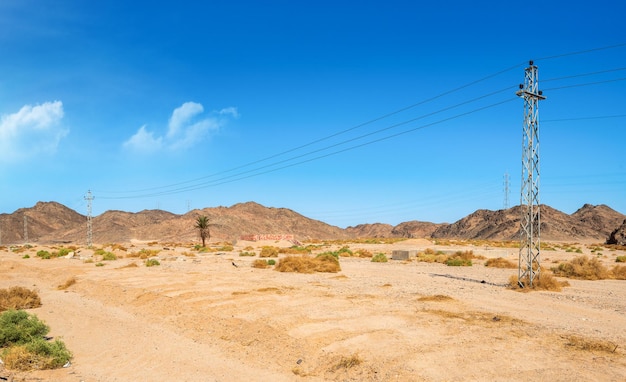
(152, 262)
(144, 253)
(347, 362)
(18, 298)
(344, 251)
(583, 268)
(363, 253)
(17, 327)
(429, 255)
(500, 262)
(379, 258)
(545, 281)
(36, 355)
(295, 250)
(22, 337)
(259, 263)
(44, 254)
(620, 259)
(246, 253)
(268, 251)
(108, 256)
(68, 283)
(305, 264)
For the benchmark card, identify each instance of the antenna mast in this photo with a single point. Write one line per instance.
(530, 230)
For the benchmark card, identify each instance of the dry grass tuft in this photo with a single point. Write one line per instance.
(130, 265)
(583, 268)
(347, 362)
(436, 298)
(18, 298)
(307, 264)
(68, 283)
(500, 262)
(546, 282)
(586, 344)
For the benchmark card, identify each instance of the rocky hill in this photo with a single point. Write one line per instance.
(51, 222)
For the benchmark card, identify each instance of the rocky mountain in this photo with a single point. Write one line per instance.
(51, 222)
(618, 236)
(589, 222)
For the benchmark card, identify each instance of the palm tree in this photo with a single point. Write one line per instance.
(202, 224)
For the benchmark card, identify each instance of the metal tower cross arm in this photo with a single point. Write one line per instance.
(530, 223)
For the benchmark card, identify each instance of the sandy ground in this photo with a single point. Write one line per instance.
(202, 319)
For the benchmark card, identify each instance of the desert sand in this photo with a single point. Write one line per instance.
(200, 318)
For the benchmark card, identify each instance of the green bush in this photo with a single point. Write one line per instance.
(17, 327)
(152, 262)
(26, 256)
(344, 251)
(22, 336)
(379, 258)
(62, 252)
(458, 262)
(109, 256)
(620, 259)
(44, 254)
(271, 262)
(246, 253)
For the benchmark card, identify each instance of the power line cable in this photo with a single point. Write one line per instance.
(242, 176)
(384, 116)
(620, 45)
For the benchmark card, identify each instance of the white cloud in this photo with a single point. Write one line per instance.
(186, 128)
(32, 131)
(181, 116)
(143, 141)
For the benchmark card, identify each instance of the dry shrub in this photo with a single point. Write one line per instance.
(268, 251)
(68, 283)
(258, 263)
(583, 268)
(500, 262)
(347, 362)
(546, 281)
(619, 272)
(581, 343)
(130, 265)
(36, 356)
(363, 253)
(18, 298)
(436, 298)
(307, 264)
(295, 250)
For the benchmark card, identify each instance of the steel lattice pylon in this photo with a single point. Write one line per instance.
(89, 197)
(530, 226)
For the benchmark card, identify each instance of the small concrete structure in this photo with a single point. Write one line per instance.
(403, 255)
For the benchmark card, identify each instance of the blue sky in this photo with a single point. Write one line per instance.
(346, 112)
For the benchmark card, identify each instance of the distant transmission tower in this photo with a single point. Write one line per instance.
(89, 197)
(506, 190)
(25, 229)
(530, 233)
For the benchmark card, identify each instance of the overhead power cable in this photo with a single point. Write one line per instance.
(246, 174)
(371, 121)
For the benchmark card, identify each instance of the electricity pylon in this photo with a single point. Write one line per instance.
(89, 197)
(530, 230)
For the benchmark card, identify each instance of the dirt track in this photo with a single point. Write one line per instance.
(202, 319)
